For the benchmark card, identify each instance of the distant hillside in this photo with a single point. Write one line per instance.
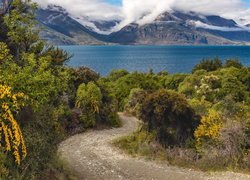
(183, 28)
(168, 28)
(60, 28)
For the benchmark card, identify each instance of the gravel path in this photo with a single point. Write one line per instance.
(92, 157)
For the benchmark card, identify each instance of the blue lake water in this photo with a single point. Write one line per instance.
(174, 59)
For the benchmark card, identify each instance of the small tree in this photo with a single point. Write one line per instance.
(20, 22)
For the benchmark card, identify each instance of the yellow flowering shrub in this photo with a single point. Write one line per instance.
(11, 138)
(209, 129)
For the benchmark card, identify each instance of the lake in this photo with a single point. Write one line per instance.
(174, 59)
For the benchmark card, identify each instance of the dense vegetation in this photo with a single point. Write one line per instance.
(41, 100)
(201, 118)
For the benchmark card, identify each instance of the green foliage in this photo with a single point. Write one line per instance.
(232, 86)
(35, 78)
(89, 99)
(169, 114)
(125, 84)
(200, 106)
(4, 53)
(89, 96)
(58, 56)
(138, 143)
(173, 81)
(233, 63)
(208, 65)
(4, 172)
(41, 132)
(27, 64)
(109, 109)
(134, 101)
(117, 74)
(83, 75)
(187, 87)
(61, 99)
(23, 35)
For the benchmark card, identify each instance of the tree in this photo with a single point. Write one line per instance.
(22, 34)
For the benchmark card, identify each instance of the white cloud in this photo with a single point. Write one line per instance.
(200, 24)
(145, 11)
(92, 9)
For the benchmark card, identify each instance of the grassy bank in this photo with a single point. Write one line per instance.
(142, 144)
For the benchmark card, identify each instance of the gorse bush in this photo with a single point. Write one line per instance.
(169, 114)
(209, 129)
(10, 133)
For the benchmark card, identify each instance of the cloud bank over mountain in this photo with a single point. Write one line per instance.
(145, 11)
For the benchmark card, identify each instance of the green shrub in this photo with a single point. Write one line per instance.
(169, 114)
(173, 81)
(134, 101)
(89, 99)
(208, 88)
(200, 106)
(117, 74)
(125, 84)
(233, 63)
(208, 65)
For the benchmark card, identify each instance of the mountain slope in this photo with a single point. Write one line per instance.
(60, 28)
(183, 28)
(168, 28)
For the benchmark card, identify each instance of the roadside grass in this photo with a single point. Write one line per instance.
(59, 170)
(142, 144)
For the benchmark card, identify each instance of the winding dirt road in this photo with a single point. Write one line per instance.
(92, 156)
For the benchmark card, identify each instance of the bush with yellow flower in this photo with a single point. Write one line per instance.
(11, 138)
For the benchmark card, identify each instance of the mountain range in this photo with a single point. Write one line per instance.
(169, 28)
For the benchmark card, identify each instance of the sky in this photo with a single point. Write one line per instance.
(145, 11)
(119, 2)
